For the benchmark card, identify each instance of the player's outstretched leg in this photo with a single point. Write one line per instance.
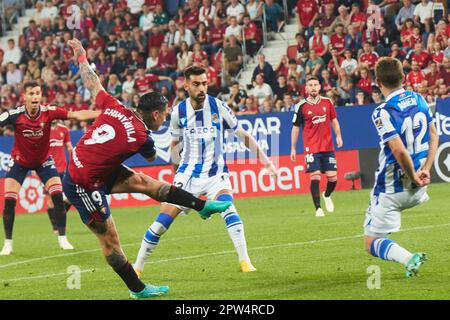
(153, 234)
(235, 229)
(389, 250)
(315, 193)
(331, 185)
(55, 191)
(8, 222)
(106, 233)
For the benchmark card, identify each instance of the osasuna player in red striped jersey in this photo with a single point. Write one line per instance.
(316, 114)
(96, 170)
(32, 123)
(59, 142)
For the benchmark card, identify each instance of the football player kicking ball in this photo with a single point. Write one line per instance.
(201, 121)
(408, 141)
(96, 170)
(316, 114)
(32, 123)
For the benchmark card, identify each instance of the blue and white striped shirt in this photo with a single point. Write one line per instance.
(405, 114)
(202, 133)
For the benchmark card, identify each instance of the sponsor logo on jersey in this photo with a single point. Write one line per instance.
(56, 143)
(31, 133)
(319, 119)
(202, 132)
(407, 103)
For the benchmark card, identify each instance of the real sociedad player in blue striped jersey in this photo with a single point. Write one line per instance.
(201, 121)
(408, 141)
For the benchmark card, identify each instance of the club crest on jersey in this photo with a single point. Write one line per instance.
(183, 122)
(215, 117)
(324, 109)
(42, 124)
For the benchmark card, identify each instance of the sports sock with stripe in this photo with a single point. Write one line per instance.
(389, 250)
(235, 228)
(151, 238)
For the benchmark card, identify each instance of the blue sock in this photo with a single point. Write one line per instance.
(230, 216)
(156, 230)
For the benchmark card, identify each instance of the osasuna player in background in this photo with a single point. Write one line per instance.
(96, 170)
(316, 114)
(200, 121)
(59, 142)
(32, 123)
(408, 141)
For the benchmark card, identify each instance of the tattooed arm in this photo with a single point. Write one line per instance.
(89, 77)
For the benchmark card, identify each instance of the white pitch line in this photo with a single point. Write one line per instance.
(232, 251)
(62, 255)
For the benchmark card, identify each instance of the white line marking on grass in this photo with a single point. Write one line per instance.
(86, 251)
(45, 276)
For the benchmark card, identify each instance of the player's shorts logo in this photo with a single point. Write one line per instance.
(442, 161)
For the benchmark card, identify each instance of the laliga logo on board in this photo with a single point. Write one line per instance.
(31, 195)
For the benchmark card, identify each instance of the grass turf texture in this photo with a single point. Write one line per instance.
(298, 256)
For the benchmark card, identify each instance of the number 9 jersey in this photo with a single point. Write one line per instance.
(405, 114)
(116, 135)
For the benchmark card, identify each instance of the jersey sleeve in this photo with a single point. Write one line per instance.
(383, 124)
(426, 109)
(105, 100)
(230, 120)
(5, 119)
(66, 135)
(297, 120)
(333, 114)
(148, 149)
(58, 113)
(175, 128)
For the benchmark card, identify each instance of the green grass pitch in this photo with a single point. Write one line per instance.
(298, 256)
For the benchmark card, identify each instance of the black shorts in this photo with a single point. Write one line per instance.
(92, 205)
(323, 161)
(45, 171)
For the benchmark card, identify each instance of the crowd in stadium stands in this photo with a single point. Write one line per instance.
(141, 45)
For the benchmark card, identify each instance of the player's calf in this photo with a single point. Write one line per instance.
(151, 239)
(59, 215)
(8, 221)
(235, 229)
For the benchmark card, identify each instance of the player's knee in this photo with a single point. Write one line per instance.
(55, 190)
(332, 178)
(315, 177)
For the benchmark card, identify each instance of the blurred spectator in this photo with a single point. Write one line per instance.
(344, 87)
(280, 88)
(234, 29)
(106, 24)
(12, 53)
(368, 57)
(274, 15)
(170, 34)
(415, 76)
(250, 107)
(161, 18)
(254, 9)
(376, 96)
(315, 63)
(352, 39)
(235, 9)
(167, 61)
(423, 13)
(37, 15)
(308, 13)
(192, 16)
(135, 6)
(50, 11)
(261, 90)
(358, 18)
(146, 19)
(152, 60)
(184, 34)
(184, 59)
(128, 84)
(213, 78)
(406, 12)
(287, 104)
(327, 19)
(252, 40)
(207, 12)
(237, 97)
(233, 57)
(349, 64)
(266, 69)
(343, 18)
(14, 76)
(433, 78)
(215, 35)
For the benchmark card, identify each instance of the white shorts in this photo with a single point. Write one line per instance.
(383, 215)
(208, 187)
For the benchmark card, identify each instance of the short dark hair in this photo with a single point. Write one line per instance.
(30, 84)
(152, 101)
(312, 78)
(389, 71)
(193, 70)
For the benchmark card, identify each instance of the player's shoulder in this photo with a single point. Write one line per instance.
(299, 105)
(327, 100)
(62, 127)
(16, 111)
(378, 111)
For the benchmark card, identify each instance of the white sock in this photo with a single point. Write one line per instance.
(144, 252)
(8, 242)
(240, 244)
(399, 254)
(235, 229)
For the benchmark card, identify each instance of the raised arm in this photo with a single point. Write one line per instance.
(251, 144)
(83, 115)
(89, 77)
